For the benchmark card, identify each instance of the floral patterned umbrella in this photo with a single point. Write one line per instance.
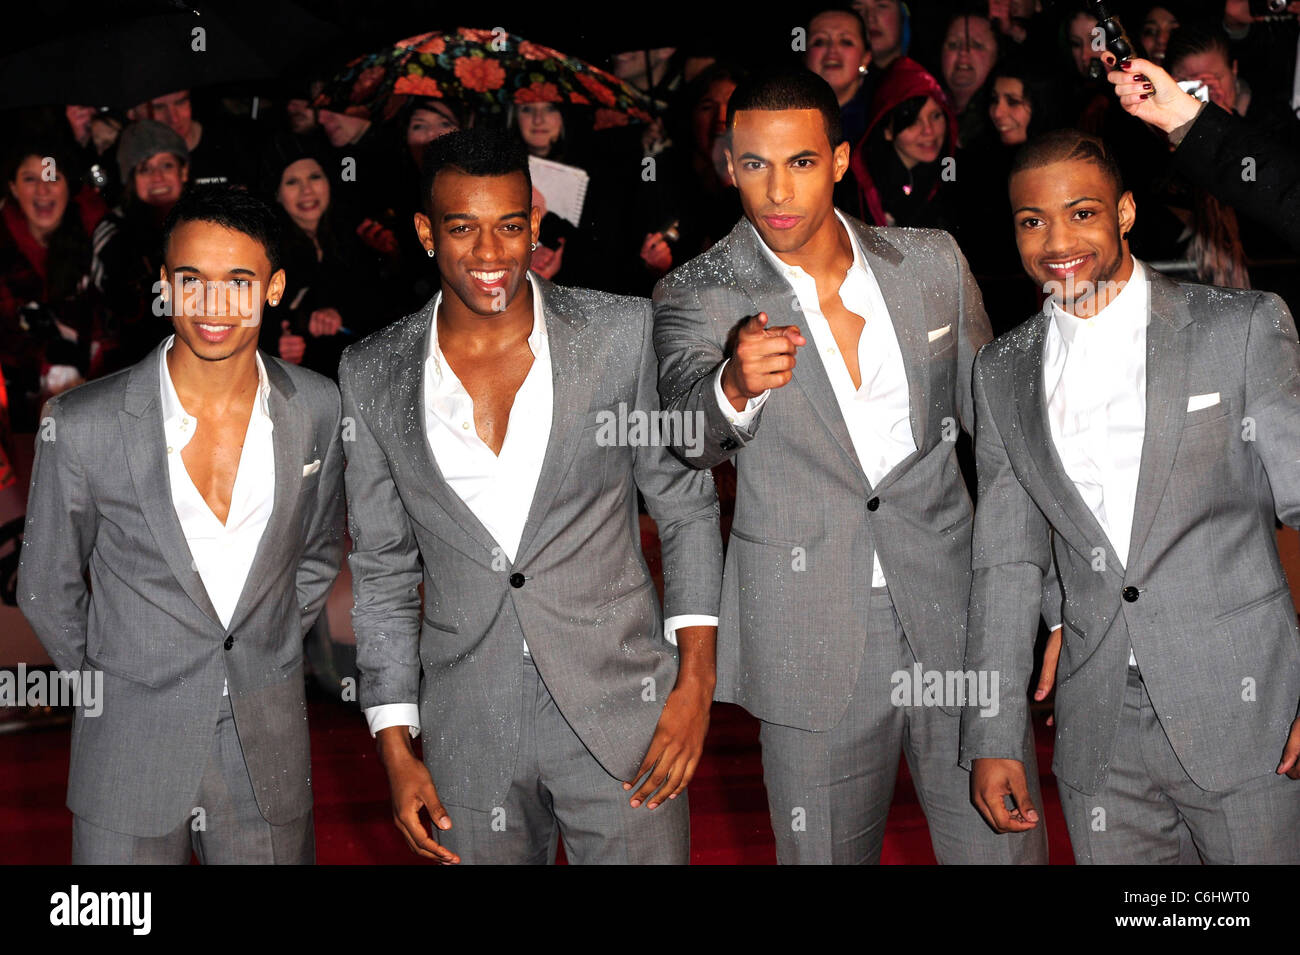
(484, 71)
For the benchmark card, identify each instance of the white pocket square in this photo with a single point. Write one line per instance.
(310, 469)
(940, 332)
(1197, 402)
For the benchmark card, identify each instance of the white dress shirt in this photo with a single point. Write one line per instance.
(1095, 380)
(878, 413)
(498, 489)
(223, 553)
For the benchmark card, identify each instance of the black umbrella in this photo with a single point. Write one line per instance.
(127, 63)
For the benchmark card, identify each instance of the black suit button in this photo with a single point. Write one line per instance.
(516, 580)
(873, 503)
(728, 444)
(230, 642)
(1130, 594)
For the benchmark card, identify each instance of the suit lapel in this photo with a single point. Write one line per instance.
(293, 444)
(769, 290)
(1166, 398)
(146, 455)
(907, 315)
(1031, 409)
(574, 374)
(407, 403)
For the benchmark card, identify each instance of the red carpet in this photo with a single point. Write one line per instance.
(729, 823)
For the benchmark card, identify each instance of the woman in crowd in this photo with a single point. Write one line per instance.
(969, 51)
(1158, 23)
(127, 245)
(899, 167)
(838, 52)
(324, 307)
(421, 121)
(690, 204)
(889, 30)
(49, 318)
(545, 130)
(1022, 104)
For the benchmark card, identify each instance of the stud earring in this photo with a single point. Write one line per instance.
(862, 69)
(431, 253)
(534, 247)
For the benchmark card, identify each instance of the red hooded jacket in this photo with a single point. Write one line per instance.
(903, 80)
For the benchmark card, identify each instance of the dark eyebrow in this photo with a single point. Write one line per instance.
(799, 155)
(1072, 202)
(470, 217)
(192, 269)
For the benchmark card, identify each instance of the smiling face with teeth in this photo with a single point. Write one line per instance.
(481, 228)
(41, 194)
(217, 280)
(1071, 224)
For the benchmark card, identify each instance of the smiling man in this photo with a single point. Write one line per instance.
(200, 492)
(538, 668)
(831, 360)
(1142, 436)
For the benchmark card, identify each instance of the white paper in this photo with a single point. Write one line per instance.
(563, 187)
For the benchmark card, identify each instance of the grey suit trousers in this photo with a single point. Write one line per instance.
(558, 789)
(229, 830)
(829, 792)
(1148, 811)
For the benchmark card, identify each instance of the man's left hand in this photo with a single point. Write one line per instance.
(678, 742)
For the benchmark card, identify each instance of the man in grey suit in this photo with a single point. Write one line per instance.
(501, 436)
(1154, 429)
(200, 493)
(848, 567)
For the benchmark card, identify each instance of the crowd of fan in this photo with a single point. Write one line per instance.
(935, 100)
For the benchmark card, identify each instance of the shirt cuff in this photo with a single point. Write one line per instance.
(394, 714)
(673, 624)
(741, 419)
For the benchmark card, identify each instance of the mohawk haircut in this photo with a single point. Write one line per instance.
(788, 88)
(1066, 145)
(232, 208)
(478, 151)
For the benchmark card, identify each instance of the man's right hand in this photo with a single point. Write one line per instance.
(764, 359)
(412, 789)
(990, 781)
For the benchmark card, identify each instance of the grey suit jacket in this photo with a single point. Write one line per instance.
(579, 590)
(100, 505)
(1203, 599)
(798, 570)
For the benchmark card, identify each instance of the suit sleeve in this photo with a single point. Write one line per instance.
(1212, 156)
(62, 522)
(384, 562)
(690, 363)
(1010, 557)
(682, 501)
(974, 334)
(1273, 401)
(324, 550)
